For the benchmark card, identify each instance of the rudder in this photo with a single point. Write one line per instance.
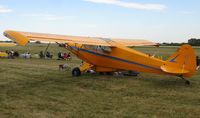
(182, 62)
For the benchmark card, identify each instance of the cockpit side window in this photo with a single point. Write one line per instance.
(102, 49)
(106, 49)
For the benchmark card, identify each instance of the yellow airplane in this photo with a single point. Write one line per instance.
(4, 54)
(114, 55)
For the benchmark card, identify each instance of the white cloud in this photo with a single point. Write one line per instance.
(5, 10)
(133, 5)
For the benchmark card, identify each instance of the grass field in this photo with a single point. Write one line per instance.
(34, 88)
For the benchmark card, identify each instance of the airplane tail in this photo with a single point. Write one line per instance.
(182, 63)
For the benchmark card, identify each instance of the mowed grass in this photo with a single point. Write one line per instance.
(35, 88)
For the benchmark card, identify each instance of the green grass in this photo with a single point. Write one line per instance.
(35, 88)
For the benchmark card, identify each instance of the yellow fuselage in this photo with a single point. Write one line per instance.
(119, 58)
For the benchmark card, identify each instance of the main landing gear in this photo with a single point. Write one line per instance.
(76, 72)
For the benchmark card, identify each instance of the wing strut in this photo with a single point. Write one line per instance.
(45, 52)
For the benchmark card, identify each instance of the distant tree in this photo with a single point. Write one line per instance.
(38, 42)
(173, 44)
(194, 42)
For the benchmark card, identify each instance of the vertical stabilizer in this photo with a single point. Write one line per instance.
(182, 62)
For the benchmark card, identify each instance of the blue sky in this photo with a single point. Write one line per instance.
(155, 20)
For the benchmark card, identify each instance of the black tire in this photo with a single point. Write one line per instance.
(131, 73)
(187, 82)
(76, 72)
(101, 73)
(109, 73)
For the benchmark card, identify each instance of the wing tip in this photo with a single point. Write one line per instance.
(16, 36)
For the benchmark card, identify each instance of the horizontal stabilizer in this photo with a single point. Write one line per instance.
(174, 70)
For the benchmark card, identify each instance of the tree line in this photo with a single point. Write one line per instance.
(192, 41)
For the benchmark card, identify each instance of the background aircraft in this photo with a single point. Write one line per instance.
(7, 44)
(4, 54)
(113, 55)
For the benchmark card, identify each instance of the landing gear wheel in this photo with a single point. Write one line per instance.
(187, 82)
(101, 73)
(109, 73)
(76, 72)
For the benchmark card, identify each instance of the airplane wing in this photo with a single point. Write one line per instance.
(23, 38)
(135, 42)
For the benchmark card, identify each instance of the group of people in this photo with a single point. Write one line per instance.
(47, 55)
(61, 56)
(12, 54)
(25, 55)
(64, 56)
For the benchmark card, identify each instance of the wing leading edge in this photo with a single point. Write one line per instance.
(23, 38)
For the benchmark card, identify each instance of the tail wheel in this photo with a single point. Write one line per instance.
(76, 72)
(187, 82)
